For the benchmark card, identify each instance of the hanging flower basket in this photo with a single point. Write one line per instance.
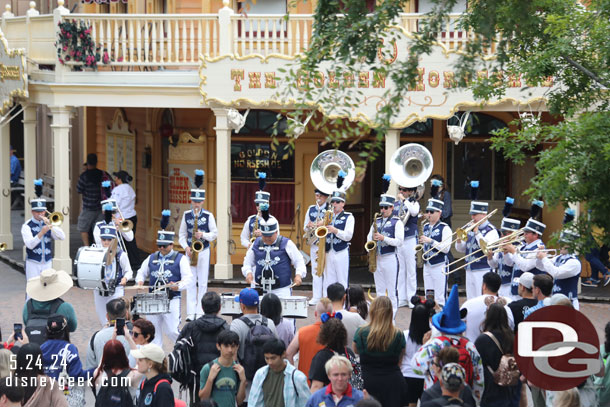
(75, 44)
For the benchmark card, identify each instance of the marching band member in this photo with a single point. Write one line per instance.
(498, 261)
(533, 231)
(38, 235)
(565, 268)
(389, 237)
(314, 219)
(166, 266)
(110, 219)
(485, 231)
(407, 209)
(201, 224)
(340, 232)
(268, 260)
(117, 273)
(260, 197)
(436, 239)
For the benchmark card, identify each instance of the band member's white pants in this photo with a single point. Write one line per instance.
(317, 282)
(166, 324)
(33, 269)
(199, 284)
(337, 268)
(407, 275)
(474, 282)
(505, 291)
(101, 301)
(435, 279)
(386, 278)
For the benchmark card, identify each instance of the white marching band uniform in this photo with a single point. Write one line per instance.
(434, 273)
(565, 270)
(336, 269)
(386, 275)
(504, 265)
(199, 282)
(315, 213)
(407, 274)
(39, 252)
(128, 236)
(119, 292)
(167, 323)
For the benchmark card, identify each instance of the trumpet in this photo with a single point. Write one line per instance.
(55, 218)
(462, 233)
(3, 247)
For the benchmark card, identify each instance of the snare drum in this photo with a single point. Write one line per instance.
(294, 307)
(228, 305)
(90, 269)
(151, 303)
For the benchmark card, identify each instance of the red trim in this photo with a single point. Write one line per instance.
(347, 392)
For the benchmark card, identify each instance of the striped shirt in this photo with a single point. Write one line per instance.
(90, 186)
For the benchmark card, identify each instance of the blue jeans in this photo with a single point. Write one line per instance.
(597, 266)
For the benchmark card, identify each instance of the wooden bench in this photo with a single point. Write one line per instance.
(48, 191)
(17, 193)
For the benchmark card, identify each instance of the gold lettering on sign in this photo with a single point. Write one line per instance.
(433, 79)
(270, 80)
(348, 79)
(378, 79)
(255, 80)
(482, 74)
(333, 83)
(363, 79)
(237, 75)
(548, 81)
(448, 79)
(392, 58)
(10, 73)
(514, 81)
(419, 84)
(318, 79)
(302, 80)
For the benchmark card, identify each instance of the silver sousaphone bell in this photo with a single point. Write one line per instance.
(411, 165)
(325, 168)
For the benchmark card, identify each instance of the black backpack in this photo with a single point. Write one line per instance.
(258, 335)
(36, 328)
(180, 364)
(112, 394)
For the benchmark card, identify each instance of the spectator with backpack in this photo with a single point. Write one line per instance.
(445, 356)
(278, 383)
(60, 359)
(450, 329)
(156, 389)
(253, 330)
(114, 382)
(223, 379)
(339, 393)
(494, 344)
(333, 336)
(381, 346)
(115, 309)
(45, 292)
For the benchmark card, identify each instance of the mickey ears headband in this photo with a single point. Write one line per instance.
(327, 315)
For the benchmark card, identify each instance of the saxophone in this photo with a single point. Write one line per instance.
(196, 244)
(320, 234)
(371, 247)
(254, 228)
(310, 232)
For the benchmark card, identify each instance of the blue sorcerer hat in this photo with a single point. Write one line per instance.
(448, 320)
(197, 194)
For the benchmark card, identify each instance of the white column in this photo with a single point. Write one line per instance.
(60, 11)
(5, 186)
(225, 31)
(29, 153)
(61, 172)
(392, 143)
(223, 268)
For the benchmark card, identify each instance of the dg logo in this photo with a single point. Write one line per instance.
(557, 348)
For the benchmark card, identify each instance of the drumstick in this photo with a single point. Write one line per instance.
(142, 287)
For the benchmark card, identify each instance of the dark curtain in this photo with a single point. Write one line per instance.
(282, 201)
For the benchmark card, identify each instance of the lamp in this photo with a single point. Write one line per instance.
(236, 120)
(456, 132)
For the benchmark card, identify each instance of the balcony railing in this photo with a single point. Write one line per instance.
(175, 41)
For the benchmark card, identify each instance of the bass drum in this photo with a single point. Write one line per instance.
(90, 269)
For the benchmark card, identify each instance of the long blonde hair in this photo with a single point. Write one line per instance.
(381, 328)
(5, 363)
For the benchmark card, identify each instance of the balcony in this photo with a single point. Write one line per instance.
(149, 42)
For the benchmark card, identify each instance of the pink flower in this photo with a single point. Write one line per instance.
(72, 53)
(120, 59)
(68, 35)
(88, 31)
(81, 35)
(78, 53)
(61, 61)
(65, 48)
(105, 58)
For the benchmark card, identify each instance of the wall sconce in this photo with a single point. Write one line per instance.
(147, 157)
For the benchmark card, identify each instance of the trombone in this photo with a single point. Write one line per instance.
(486, 248)
(3, 246)
(55, 218)
(461, 233)
(527, 253)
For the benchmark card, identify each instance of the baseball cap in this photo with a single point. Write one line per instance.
(150, 351)
(526, 280)
(248, 297)
(452, 376)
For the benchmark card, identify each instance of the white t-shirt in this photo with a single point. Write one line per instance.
(351, 321)
(410, 350)
(476, 315)
(125, 199)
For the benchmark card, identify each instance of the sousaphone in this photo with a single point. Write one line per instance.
(325, 168)
(410, 166)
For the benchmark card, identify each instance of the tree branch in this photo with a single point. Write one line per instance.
(585, 71)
